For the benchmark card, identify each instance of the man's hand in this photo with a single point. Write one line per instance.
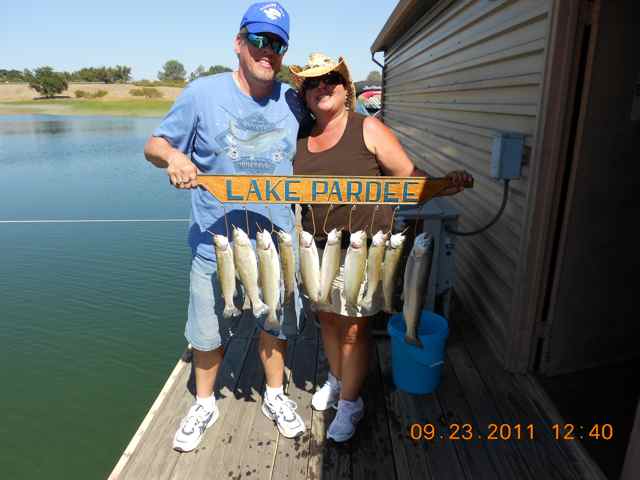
(458, 178)
(182, 171)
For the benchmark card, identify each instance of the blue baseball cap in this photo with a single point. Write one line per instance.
(267, 17)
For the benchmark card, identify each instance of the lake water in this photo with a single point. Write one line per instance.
(91, 314)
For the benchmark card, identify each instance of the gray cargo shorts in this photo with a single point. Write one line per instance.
(207, 329)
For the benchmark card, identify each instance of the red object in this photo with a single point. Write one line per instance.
(369, 93)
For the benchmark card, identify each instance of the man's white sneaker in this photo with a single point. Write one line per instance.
(192, 427)
(283, 412)
(343, 426)
(327, 396)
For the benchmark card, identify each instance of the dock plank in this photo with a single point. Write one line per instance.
(371, 453)
(543, 455)
(292, 455)
(203, 461)
(157, 459)
(327, 460)
(245, 444)
(474, 456)
(508, 462)
(409, 460)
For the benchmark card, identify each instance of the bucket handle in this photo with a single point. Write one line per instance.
(441, 362)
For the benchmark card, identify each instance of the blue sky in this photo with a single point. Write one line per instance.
(71, 34)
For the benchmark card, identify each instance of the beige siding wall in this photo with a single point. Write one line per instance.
(466, 70)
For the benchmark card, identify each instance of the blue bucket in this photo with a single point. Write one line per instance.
(415, 369)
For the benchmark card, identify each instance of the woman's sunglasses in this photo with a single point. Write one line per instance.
(333, 78)
(262, 41)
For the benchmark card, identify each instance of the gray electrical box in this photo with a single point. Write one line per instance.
(437, 214)
(506, 155)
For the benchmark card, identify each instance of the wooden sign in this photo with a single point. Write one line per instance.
(327, 190)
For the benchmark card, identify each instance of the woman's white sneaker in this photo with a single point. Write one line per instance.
(344, 425)
(327, 396)
(192, 427)
(283, 412)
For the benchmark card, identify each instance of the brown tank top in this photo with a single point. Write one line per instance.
(351, 157)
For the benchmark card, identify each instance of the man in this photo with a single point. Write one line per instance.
(243, 122)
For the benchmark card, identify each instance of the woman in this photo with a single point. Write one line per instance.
(342, 142)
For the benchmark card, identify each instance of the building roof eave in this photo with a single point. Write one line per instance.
(401, 19)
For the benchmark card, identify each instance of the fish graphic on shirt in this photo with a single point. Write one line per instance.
(257, 143)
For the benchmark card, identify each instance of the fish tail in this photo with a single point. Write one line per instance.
(272, 322)
(260, 308)
(247, 302)
(366, 303)
(230, 311)
(413, 340)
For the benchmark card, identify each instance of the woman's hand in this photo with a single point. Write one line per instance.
(458, 179)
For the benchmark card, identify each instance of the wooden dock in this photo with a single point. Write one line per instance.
(475, 390)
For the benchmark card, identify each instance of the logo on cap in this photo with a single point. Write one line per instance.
(271, 11)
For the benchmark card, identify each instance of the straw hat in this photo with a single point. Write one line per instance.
(320, 64)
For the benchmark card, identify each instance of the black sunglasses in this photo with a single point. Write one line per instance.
(259, 40)
(333, 78)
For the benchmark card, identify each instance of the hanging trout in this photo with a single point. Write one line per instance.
(330, 264)
(374, 269)
(269, 277)
(288, 264)
(226, 274)
(247, 266)
(392, 255)
(355, 263)
(416, 282)
(309, 266)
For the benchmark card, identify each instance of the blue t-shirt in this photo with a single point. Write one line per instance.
(226, 132)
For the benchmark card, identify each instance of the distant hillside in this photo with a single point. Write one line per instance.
(10, 92)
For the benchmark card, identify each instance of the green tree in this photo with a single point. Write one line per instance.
(121, 73)
(11, 75)
(197, 73)
(374, 76)
(46, 82)
(215, 69)
(200, 71)
(173, 70)
(284, 75)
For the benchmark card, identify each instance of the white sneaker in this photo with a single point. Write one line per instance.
(343, 426)
(192, 427)
(327, 396)
(282, 411)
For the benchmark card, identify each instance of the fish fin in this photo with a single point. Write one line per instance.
(260, 308)
(415, 341)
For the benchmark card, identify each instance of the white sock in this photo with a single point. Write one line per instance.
(208, 403)
(271, 393)
(334, 382)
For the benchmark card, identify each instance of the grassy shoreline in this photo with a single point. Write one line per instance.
(72, 106)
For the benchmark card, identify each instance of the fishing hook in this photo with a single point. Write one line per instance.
(313, 219)
(353, 207)
(246, 215)
(393, 217)
(373, 217)
(270, 219)
(324, 224)
(226, 222)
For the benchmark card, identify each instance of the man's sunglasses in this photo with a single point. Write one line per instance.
(333, 78)
(262, 41)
